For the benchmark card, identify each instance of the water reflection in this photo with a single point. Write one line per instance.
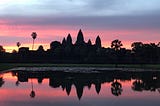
(32, 94)
(142, 81)
(116, 88)
(1, 81)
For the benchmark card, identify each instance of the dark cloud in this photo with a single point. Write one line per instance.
(95, 22)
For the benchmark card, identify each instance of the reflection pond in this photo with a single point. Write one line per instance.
(59, 88)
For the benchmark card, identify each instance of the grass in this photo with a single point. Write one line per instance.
(6, 66)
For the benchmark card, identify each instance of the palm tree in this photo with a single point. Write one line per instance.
(116, 45)
(32, 94)
(34, 36)
(116, 88)
(18, 44)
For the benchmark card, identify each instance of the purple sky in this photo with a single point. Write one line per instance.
(127, 20)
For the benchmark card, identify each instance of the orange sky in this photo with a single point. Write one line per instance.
(47, 35)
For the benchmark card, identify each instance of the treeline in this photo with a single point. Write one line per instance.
(86, 52)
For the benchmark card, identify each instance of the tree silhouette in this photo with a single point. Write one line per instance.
(34, 36)
(17, 83)
(2, 49)
(40, 49)
(137, 46)
(54, 45)
(116, 88)
(150, 52)
(82, 52)
(14, 51)
(18, 44)
(116, 45)
(158, 44)
(32, 94)
(1, 81)
(138, 85)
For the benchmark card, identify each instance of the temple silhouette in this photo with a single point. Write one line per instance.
(84, 52)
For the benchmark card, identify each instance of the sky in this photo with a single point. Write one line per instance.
(127, 20)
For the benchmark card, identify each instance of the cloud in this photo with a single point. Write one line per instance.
(79, 7)
(111, 19)
(93, 22)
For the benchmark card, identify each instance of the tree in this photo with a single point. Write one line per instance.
(40, 48)
(1, 81)
(98, 42)
(54, 45)
(158, 44)
(137, 46)
(150, 52)
(138, 85)
(18, 44)
(80, 38)
(14, 51)
(138, 51)
(32, 94)
(116, 88)
(17, 83)
(116, 45)
(34, 36)
(2, 49)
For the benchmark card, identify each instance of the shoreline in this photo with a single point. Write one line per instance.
(101, 67)
(80, 69)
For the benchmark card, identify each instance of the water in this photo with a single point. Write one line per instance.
(112, 88)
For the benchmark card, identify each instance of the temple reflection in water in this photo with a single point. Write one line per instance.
(146, 80)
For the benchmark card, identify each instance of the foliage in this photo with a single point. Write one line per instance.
(18, 44)
(2, 49)
(116, 45)
(82, 52)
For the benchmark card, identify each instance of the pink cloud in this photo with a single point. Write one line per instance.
(11, 33)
